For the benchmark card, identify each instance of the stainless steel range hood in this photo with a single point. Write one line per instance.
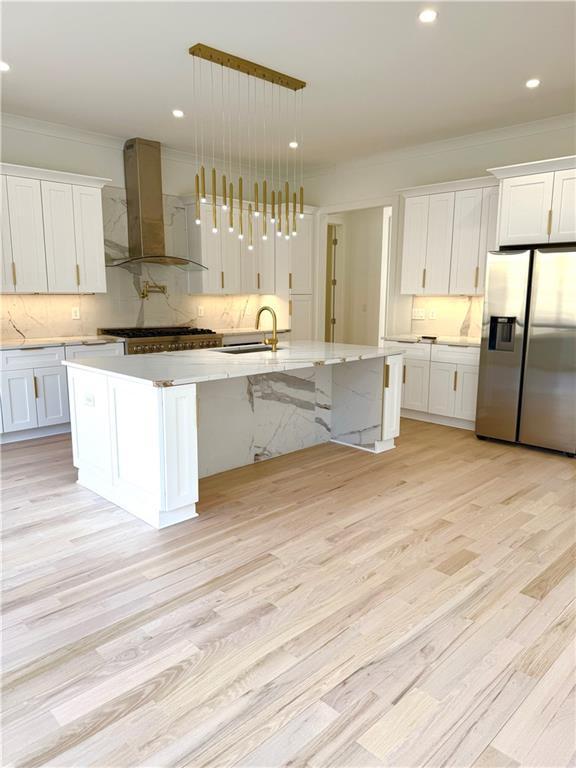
(143, 174)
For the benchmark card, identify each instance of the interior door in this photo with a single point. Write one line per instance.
(548, 413)
(503, 325)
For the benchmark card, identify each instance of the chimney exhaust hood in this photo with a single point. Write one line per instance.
(143, 174)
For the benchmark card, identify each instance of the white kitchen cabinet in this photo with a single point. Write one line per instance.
(6, 276)
(563, 224)
(414, 244)
(301, 256)
(108, 349)
(301, 316)
(442, 394)
(427, 248)
(89, 231)
(392, 397)
(59, 237)
(525, 207)
(416, 383)
(18, 399)
(51, 396)
(439, 244)
(231, 254)
(488, 234)
(249, 257)
(206, 248)
(27, 235)
(464, 268)
(466, 392)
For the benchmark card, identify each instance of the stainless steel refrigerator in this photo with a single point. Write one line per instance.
(527, 383)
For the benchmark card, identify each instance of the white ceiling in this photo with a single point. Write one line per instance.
(378, 79)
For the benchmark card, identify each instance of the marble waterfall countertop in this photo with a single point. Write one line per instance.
(57, 341)
(456, 341)
(193, 366)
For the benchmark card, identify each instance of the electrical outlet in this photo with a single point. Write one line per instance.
(75, 313)
(200, 311)
(418, 314)
(432, 314)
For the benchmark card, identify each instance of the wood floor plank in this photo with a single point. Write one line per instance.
(327, 608)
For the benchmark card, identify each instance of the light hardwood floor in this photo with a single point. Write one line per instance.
(328, 608)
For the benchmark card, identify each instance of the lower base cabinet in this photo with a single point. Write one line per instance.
(51, 396)
(453, 389)
(416, 382)
(18, 400)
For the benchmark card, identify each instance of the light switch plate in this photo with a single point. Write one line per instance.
(418, 314)
(75, 313)
(432, 314)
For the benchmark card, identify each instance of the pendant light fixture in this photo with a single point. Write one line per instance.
(264, 150)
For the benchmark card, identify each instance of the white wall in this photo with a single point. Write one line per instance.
(367, 181)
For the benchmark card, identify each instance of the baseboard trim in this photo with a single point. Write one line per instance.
(32, 434)
(432, 418)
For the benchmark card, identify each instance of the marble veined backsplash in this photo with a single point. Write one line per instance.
(39, 316)
(448, 316)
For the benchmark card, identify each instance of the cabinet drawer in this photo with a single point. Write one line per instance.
(413, 350)
(80, 351)
(445, 353)
(35, 357)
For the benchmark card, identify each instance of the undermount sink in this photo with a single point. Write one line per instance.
(246, 350)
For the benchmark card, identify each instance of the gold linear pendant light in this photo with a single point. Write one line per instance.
(259, 127)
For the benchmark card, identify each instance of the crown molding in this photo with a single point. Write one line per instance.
(567, 163)
(467, 141)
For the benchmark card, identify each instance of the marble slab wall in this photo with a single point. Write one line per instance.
(357, 391)
(253, 418)
(39, 316)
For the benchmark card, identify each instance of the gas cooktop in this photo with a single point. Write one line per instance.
(146, 333)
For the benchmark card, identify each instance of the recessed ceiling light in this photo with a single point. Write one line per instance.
(4, 67)
(532, 83)
(428, 16)
(177, 113)
(293, 145)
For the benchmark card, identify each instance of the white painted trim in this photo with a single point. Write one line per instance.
(359, 205)
(33, 434)
(45, 174)
(445, 421)
(479, 182)
(380, 446)
(538, 166)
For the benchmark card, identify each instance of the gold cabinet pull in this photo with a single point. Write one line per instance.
(403, 374)
(424, 278)
(258, 280)
(222, 279)
(290, 307)
(36, 395)
(549, 228)
(476, 277)
(386, 375)
(455, 380)
(14, 273)
(290, 280)
(77, 275)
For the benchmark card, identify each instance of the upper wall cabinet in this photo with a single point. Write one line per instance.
(446, 237)
(537, 202)
(52, 232)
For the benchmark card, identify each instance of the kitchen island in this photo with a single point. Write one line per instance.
(145, 428)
